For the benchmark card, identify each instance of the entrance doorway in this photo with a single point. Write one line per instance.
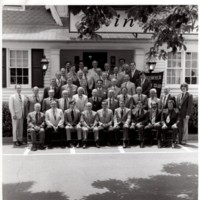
(100, 57)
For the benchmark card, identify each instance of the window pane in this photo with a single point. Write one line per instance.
(187, 72)
(188, 56)
(169, 63)
(178, 80)
(169, 80)
(19, 54)
(13, 80)
(178, 56)
(194, 72)
(12, 72)
(25, 54)
(25, 63)
(25, 80)
(194, 64)
(173, 80)
(19, 72)
(25, 72)
(173, 56)
(19, 63)
(174, 64)
(187, 80)
(194, 56)
(12, 62)
(187, 64)
(19, 80)
(169, 55)
(169, 72)
(12, 54)
(179, 64)
(194, 80)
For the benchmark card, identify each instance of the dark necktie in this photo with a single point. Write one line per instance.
(54, 114)
(138, 113)
(110, 102)
(37, 117)
(72, 115)
(164, 103)
(122, 113)
(124, 98)
(36, 99)
(20, 98)
(65, 104)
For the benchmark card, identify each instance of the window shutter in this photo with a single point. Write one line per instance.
(37, 74)
(4, 67)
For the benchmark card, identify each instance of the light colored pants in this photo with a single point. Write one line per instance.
(85, 133)
(69, 129)
(17, 129)
(34, 135)
(183, 130)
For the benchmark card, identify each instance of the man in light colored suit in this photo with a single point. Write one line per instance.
(128, 100)
(71, 88)
(81, 99)
(112, 101)
(184, 104)
(139, 97)
(129, 85)
(36, 123)
(33, 99)
(153, 98)
(105, 120)
(106, 82)
(46, 104)
(122, 119)
(118, 76)
(17, 105)
(114, 87)
(54, 119)
(107, 69)
(92, 72)
(63, 103)
(89, 123)
(81, 82)
(72, 123)
(55, 124)
(59, 80)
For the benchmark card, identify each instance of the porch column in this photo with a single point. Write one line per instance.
(55, 61)
(139, 58)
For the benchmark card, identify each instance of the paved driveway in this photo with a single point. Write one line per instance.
(100, 174)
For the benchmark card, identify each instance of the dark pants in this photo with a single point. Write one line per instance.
(125, 133)
(174, 133)
(58, 135)
(148, 130)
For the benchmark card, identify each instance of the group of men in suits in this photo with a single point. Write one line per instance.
(118, 103)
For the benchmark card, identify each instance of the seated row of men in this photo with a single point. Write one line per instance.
(58, 125)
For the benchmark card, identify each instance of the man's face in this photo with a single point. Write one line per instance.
(58, 75)
(121, 62)
(18, 89)
(124, 91)
(115, 70)
(98, 72)
(104, 76)
(110, 94)
(154, 106)
(166, 91)
(53, 81)
(153, 94)
(99, 84)
(81, 65)
(170, 105)
(53, 105)
(139, 90)
(37, 108)
(183, 89)
(104, 105)
(73, 69)
(80, 92)
(132, 65)
(67, 65)
(126, 78)
(65, 95)
(89, 107)
(121, 104)
(85, 70)
(35, 91)
(72, 105)
(69, 81)
(94, 93)
(114, 82)
(106, 66)
(80, 75)
(94, 64)
(63, 72)
(51, 94)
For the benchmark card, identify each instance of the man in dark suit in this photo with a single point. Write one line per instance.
(153, 121)
(170, 122)
(138, 118)
(118, 76)
(134, 74)
(101, 92)
(124, 96)
(166, 97)
(81, 82)
(107, 69)
(35, 124)
(46, 104)
(145, 83)
(54, 87)
(72, 123)
(33, 99)
(114, 87)
(184, 104)
(63, 103)
(112, 101)
(95, 100)
(122, 119)
(63, 75)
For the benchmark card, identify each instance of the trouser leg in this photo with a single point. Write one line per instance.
(20, 129)
(185, 129)
(96, 134)
(33, 136)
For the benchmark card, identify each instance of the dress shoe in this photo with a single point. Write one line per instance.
(108, 144)
(33, 148)
(20, 143)
(84, 146)
(41, 147)
(71, 145)
(16, 144)
(142, 145)
(97, 145)
(159, 144)
(173, 145)
(124, 144)
(50, 146)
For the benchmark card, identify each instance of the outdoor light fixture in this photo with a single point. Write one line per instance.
(151, 65)
(44, 64)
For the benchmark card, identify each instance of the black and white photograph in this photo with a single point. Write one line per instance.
(99, 100)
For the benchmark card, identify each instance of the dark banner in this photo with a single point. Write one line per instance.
(156, 80)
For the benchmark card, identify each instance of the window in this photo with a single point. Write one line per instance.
(182, 67)
(14, 7)
(19, 67)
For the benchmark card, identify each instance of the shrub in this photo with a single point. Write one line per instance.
(193, 122)
(7, 121)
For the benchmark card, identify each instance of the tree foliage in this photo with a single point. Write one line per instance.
(168, 24)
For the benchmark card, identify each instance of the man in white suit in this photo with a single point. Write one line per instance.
(63, 103)
(80, 99)
(54, 118)
(17, 104)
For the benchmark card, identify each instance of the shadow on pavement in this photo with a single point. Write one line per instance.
(179, 182)
(19, 191)
(191, 146)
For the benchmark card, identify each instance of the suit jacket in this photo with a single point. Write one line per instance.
(149, 116)
(106, 84)
(46, 104)
(80, 102)
(17, 107)
(62, 82)
(105, 119)
(82, 83)
(164, 104)
(61, 103)
(173, 116)
(135, 77)
(117, 90)
(57, 93)
(92, 73)
(137, 116)
(31, 120)
(88, 119)
(125, 119)
(68, 117)
(120, 78)
(102, 93)
(113, 105)
(130, 87)
(128, 100)
(72, 75)
(96, 105)
(184, 105)
(31, 102)
(72, 90)
(51, 121)
(146, 86)
(142, 98)
(157, 100)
